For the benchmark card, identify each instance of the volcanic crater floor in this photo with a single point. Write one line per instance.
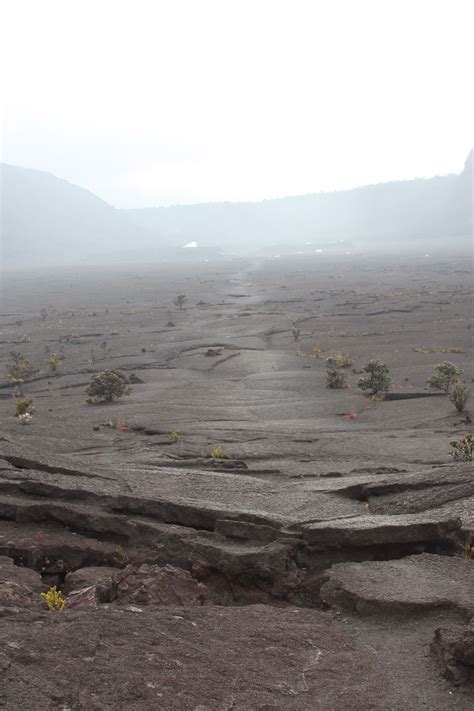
(324, 563)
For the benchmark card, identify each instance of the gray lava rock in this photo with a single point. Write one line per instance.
(101, 578)
(418, 583)
(150, 584)
(19, 587)
(454, 649)
(380, 530)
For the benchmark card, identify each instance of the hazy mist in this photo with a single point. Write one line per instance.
(213, 103)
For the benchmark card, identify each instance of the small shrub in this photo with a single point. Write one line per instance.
(19, 369)
(459, 396)
(445, 375)
(24, 406)
(377, 379)
(219, 453)
(54, 362)
(336, 379)
(342, 360)
(175, 436)
(54, 599)
(179, 301)
(463, 448)
(107, 386)
(295, 330)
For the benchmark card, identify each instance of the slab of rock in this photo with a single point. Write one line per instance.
(380, 530)
(418, 583)
(150, 584)
(454, 649)
(257, 658)
(19, 587)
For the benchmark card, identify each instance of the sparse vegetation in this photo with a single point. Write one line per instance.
(219, 453)
(175, 436)
(295, 330)
(179, 301)
(24, 406)
(445, 375)
(341, 360)
(54, 362)
(435, 349)
(462, 448)
(107, 386)
(54, 599)
(19, 369)
(459, 396)
(335, 378)
(377, 379)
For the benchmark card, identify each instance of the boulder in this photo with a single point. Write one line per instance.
(454, 649)
(150, 584)
(101, 578)
(19, 587)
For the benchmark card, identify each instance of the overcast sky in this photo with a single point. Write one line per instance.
(150, 102)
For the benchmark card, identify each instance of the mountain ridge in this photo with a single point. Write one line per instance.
(49, 220)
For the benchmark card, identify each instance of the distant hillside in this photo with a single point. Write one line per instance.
(383, 215)
(45, 220)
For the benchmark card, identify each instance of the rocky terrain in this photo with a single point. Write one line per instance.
(325, 563)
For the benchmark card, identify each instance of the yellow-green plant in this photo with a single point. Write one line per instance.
(54, 599)
(219, 453)
(341, 360)
(459, 396)
(175, 436)
(54, 362)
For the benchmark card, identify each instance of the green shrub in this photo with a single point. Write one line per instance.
(463, 448)
(19, 369)
(107, 386)
(219, 453)
(445, 375)
(459, 396)
(335, 378)
(377, 379)
(24, 406)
